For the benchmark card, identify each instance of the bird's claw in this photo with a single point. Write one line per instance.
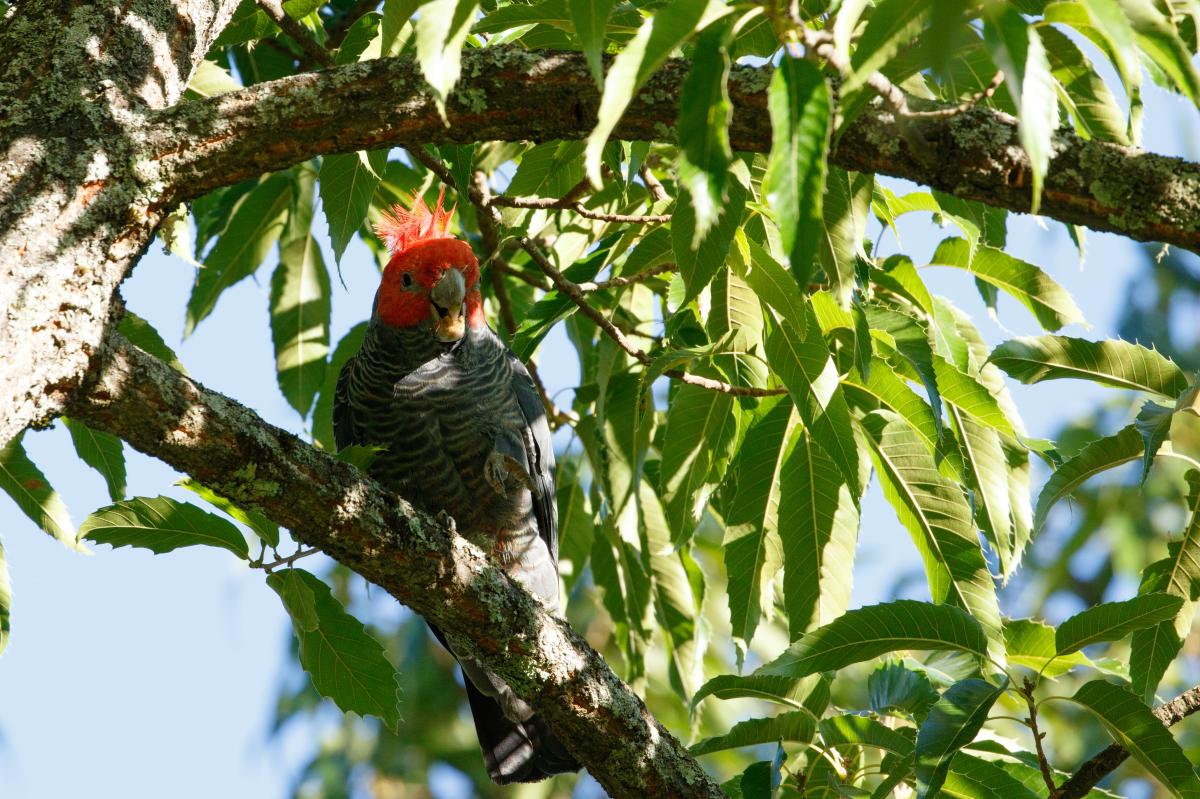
(448, 520)
(495, 471)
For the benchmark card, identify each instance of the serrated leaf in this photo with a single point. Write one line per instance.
(753, 550)
(953, 722)
(778, 688)
(347, 184)
(553, 307)
(697, 264)
(974, 778)
(875, 630)
(1111, 362)
(1098, 456)
(1132, 725)
(27, 486)
(1092, 106)
(773, 284)
(103, 452)
(263, 527)
(1018, 50)
(848, 730)
(811, 377)
(345, 662)
(893, 686)
(893, 24)
(210, 79)
(698, 442)
(798, 725)
(818, 525)
(704, 151)
(442, 29)
(670, 25)
(1112, 621)
(794, 183)
(844, 221)
(142, 335)
(1049, 302)
(1030, 643)
(934, 511)
(986, 468)
(254, 226)
(161, 524)
(1158, 38)
(300, 304)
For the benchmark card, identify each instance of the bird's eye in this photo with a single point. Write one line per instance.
(406, 279)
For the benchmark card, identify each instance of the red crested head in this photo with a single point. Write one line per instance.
(432, 276)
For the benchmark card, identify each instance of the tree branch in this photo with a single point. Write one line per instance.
(296, 32)
(1100, 766)
(507, 93)
(331, 506)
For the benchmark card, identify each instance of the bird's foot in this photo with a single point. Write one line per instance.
(448, 520)
(495, 471)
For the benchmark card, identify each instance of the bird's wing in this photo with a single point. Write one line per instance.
(344, 432)
(540, 454)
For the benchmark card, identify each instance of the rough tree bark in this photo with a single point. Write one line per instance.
(332, 506)
(95, 149)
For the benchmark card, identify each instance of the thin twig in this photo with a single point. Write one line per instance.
(1026, 691)
(567, 204)
(479, 196)
(296, 32)
(504, 267)
(617, 282)
(288, 561)
(653, 185)
(1090, 773)
(966, 105)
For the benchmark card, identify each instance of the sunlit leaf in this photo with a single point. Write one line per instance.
(5, 601)
(348, 181)
(28, 488)
(442, 28)
(161, 524)
(345, 662)
(798, 725)
(893, 686)
(1113, 362)
(1098, 456)
(953, 722)
(103, 452)
(1112, 621)
(263, 527)
(704, 152)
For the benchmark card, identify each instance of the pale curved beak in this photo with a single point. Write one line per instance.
(447, 306)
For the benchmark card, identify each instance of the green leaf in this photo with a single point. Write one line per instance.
(798, 725)
(161, 524)
(893, 24)
(300, 304)
(875, 630)
(210, 79)
(553, 307)
(773, 284)
(974, 778)
(248, 22)
(811, 378)
(753, 551)
(263, 527)
(934, 511)
(1112, 363)
(952, 723)
(702, 428)
(1132, 725)
(142, 335)
(1158, 38)
(844, 222)
(986, 469)
(892, 686)
(970, 396)
(848, 730)
(1112, 621)
(1091, 105)
(348, 181)
(1018, 50)
(254, 226)
(704, 151)
(698, 265)
(5, 601)
(442, 28)
(1046, 300)
(37, 499)
(1100, 455)
(1152, 650)
(886, 390)
(818, 525)
(345, 662)
(590, 18)
(794, 184)
(1030, 643)
(778, 688)
(670, 25)
(1154, 423)
(103, 452)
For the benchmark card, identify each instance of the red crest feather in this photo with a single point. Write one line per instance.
(403, 227)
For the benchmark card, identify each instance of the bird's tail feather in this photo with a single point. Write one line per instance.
(516, 751)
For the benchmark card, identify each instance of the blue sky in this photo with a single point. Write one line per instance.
(130, 675)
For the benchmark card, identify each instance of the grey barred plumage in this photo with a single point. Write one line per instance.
(465, 433)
